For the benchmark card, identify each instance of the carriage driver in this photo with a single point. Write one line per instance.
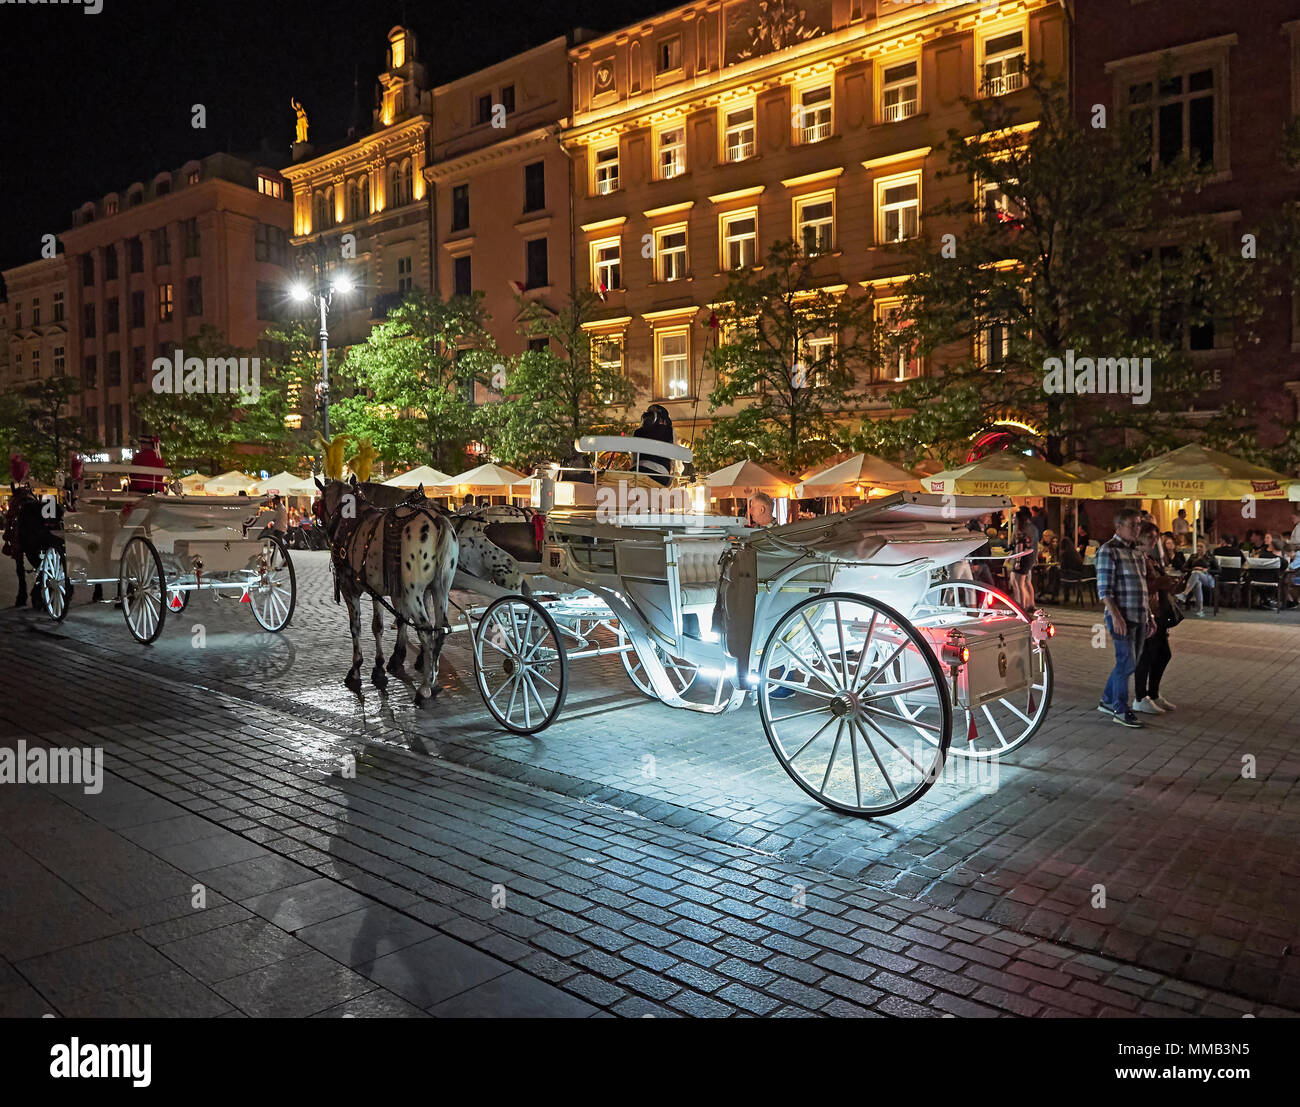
(656, 424)
(147, 455)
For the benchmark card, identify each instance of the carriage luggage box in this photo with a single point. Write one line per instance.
(219, 555)
(1001, 658)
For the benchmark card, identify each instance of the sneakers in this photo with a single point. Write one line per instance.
(1148, 706)
(1200, 613)
(1106, 709)
(1162, 703)
(1129, 719)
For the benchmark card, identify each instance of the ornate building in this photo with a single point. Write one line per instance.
(34, 324)
(703, 135)
(364, 206)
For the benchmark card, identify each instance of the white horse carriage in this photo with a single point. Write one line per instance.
(868, 666)
(157, 548)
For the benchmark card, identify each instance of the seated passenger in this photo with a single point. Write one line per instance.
(656, 424)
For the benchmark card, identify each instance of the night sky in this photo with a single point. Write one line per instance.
(91, 103)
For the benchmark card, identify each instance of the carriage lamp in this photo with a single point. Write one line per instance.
(955, 650)
(1040, 626)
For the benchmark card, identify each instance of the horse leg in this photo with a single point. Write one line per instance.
(378, 677)
(426, 691)
(353, 679)
(397, 663)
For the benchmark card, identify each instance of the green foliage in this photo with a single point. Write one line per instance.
(1089, 253)
(792, 391)
(406, 387)
(35, 421)
(551, 397)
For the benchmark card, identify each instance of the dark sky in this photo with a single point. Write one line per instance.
(91, 103)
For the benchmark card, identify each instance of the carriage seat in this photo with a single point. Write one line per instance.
(697, 568)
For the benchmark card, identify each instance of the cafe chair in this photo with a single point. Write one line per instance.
(1265, 577)
(1227, 582)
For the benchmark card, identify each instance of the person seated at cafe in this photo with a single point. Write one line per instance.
(762, 510)
(1198, 580)
(1048, 547)
(1071, 561)
(1172, 556)
(1228, 547)
(1291, 578)
(1082, 537)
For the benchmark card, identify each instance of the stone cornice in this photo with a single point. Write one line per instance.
(441, 169)
(363, 153)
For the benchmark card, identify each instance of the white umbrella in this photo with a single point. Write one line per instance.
(857, 476)
(194, 484)
(745, 478)
(487, 480)
(286, 484)
(229, 484)
(425, 475)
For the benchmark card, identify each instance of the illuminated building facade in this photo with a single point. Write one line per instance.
(705, 134)
(34, 324)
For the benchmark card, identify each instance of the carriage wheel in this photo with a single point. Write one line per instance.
(833, 670)
(1003, 725)
(275, 591)
(681, 673)
(143, 588)
(56, 588)
(520, 664)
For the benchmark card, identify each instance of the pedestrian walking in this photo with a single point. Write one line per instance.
(1025, 551)
(1156, 652)
(1122, 586)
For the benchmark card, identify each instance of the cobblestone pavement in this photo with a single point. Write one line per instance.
(650, 860)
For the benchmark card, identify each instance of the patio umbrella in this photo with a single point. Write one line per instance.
(486, 480)
(1009, 474)
(856, 476)
(425, 475)
(195, 484)
(1083, 470)
(286, 484)
(1195, 473)
(744, 478)
(1293, 493)
(229, 484)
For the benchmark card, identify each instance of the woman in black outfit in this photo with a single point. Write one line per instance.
(656, 424)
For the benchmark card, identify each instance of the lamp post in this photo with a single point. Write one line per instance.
(324, 297)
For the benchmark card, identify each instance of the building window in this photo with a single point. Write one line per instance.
(88, 321)
(740, 239)
(111, 315)
(607, 170)
(739, 134)
(606, 265)
(110, 206)
(110, 263)
(899, 92)
(36, 362)
(137, 309)
(607, 353)
(113, 430)
(460, 207)
(539, 345)
(113, 369)
(672, 363)
(535, 186)
(670, 254)
(18, 316)
(405, 282)
(1003, 66)
(267, 301)
(135, 255)
(403, 183)
(485, 108)
(993, 345)
(137, 365)
(462, 279)
(166, 302)
(354, 200)
(672, 152)
(814, 223)
(92, 422)
(1180, 120)
(36, 311)
(898, 206)
(815, 114)
(18, 363)
(900, 362)
(269, 186)
(536, 264)
(87, 270)
(320, 215)
(668, 55)
(262, 242)
(90, 371)
(193, 295)
(998, 207)
(60, 361)
(58, 307)
(192, 177)
(162, 247)
(508, 98)
(190, 232)
(163, 187)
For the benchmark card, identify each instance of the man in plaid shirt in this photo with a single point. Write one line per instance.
(1122, 586)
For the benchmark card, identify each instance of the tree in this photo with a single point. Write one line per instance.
(552, 396)
(406, 387)
(35, 421)
(792, 353)
(1076, 247)
(205, 426)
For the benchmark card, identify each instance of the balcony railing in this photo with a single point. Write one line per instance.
(999, 84)
(606, 185)
(739, 151)
(815, 132)
(903, 109)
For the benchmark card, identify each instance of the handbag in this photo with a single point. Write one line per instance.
(1169, 615)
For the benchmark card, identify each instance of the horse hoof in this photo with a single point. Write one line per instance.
(397, 667)
(419, 700)
(379, 678)
(353, 682)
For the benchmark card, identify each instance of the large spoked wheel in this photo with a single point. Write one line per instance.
(56, 588)
(142, 587)
(1003, 725)
(681, 674)
(833, 672)
(520, 664)
(275, 591)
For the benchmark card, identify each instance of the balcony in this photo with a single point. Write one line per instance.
(740, 151)
(999, 83)
(903, 109)
(816, 132)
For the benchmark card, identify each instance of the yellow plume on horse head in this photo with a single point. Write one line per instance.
(363, 460)
(332, 451)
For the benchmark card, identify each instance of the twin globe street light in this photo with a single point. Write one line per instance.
(341, 283)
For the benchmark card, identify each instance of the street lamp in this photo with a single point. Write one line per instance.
(342, 284)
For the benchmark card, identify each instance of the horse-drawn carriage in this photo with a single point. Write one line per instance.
(158, 548)
(868, 667)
